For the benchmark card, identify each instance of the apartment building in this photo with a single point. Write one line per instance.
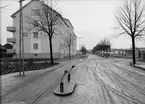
(36, 43)
(73, 40)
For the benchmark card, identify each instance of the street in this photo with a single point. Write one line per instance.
(99, 81)
(72, 52)
(33, 89)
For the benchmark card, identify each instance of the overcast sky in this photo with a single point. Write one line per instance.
(92, 20)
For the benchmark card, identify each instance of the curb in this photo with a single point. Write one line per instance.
(139, 67)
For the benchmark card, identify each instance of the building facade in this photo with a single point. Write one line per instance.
(36, 43)
(140, 53)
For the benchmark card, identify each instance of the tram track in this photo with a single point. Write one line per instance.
(46, 91)
(117, 92)
(113, 90)
(31, 80)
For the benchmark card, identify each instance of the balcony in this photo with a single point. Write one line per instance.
(11, 29)
(11, 51)
(11, 40)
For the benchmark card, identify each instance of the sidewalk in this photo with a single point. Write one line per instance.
(11, 82)
(140, 66)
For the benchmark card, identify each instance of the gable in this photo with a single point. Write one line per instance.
(32, 1)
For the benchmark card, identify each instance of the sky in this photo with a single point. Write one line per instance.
(92, 20)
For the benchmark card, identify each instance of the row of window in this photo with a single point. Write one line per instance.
(35, 34)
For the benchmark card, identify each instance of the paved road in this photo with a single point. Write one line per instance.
(99, 81)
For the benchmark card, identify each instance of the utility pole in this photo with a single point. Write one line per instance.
(21, 43)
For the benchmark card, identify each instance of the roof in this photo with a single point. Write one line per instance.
(69, 22)
(75, 35)
(8, 46)
(2, 47)
(13, 15)
(140, 48)
(121, 49)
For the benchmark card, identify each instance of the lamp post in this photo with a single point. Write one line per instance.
(61, 83)
(21, 43)
(69, 76)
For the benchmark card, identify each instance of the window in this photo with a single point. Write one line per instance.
(35, 12)
(35, 46)
(35, 34)
(35, 23)
(25, 34)
(35, 54)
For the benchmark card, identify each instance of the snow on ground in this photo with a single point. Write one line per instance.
(103, 82)
(28, 93)
(99, 81)
(11, 81)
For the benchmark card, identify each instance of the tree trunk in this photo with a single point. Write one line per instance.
(51, 53)
(133, 50)
(69, 53)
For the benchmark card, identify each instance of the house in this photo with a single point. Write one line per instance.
(140, 53)
(8, 48)
(5, 50)
(2, 51)
(36, 43)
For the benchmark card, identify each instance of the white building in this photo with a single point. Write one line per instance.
(36, 43)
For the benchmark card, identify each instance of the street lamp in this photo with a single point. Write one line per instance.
(69, 75)
(61, 83)
(21, 43)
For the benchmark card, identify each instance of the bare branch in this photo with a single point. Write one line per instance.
(139, 33)
(131, 19)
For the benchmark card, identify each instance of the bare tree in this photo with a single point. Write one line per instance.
(131, 21)
(69, 43)
(46, 21)
(83, 50)
(104, 45)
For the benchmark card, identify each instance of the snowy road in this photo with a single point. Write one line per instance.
(103, 82)
(31, 91)
(99, 81)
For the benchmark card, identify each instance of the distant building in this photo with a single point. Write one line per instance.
(2, 51)
(8, 47)
(139, 53)
(36, 45)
